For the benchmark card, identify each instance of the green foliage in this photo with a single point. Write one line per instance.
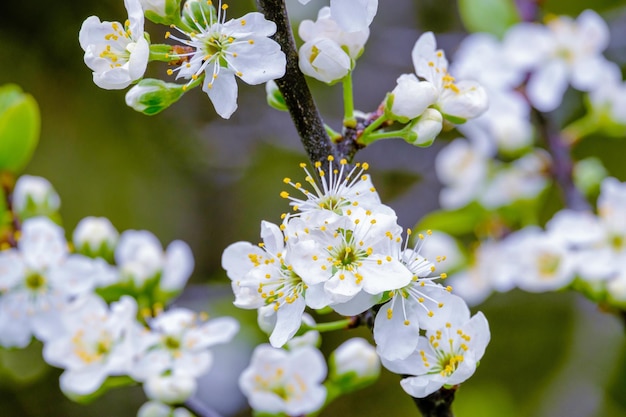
(454, 222)
(491, 16)
(19, 128)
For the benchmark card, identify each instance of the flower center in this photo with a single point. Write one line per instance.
(171, 343)
(35, 281)
(548, 264)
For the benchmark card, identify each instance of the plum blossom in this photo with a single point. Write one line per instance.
(422, 304)
(263, 278)
(280, 381)
(458, 101)
(445, 356)
(39, 280)
(99, 342)
(118, 54)
(140, 258)
(334, 189)
(35, 196)
(221, 50)
(354, 256)
(563, 51)
(176, 352)
(335, 40)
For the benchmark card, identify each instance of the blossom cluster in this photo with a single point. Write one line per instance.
(211, 51)
(528, 71)
(342, 248)
(577, 249)
(97, 302)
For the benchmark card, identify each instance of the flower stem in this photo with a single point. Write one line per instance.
(373, 137)
(437, 404)
(330, 326)
(378, 122)
(348, 102)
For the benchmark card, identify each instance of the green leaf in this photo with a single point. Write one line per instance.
(491, 16)
(454, 222)
(19, 128)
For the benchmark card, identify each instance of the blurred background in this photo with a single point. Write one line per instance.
(187, 174)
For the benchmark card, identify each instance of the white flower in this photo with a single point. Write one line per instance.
(324, 60)
(95, 235)
(446, 356)
(422, 304)
(179, 343)
(426, 128)
(39, 280)
(335, 189)
(118, 54)
(411, 97)
(224, 50)
(330, 45)
(356, 254)
(564, 51)
(157, 409)
(490, 270)
(175, 388)
(462, 168)
(357, 360)
(610, 96)
(325, 27)
(542, 260)
(353, 15)
(265, 278)
(35, 195)
(98, 343)
(140, 258)
(458, 100)
(523, 179)
(278, 381)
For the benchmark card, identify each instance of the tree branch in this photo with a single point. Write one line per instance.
(437, 404)
(294, 88)
(562, 164)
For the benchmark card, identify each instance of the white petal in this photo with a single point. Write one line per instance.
(222, 91)
(177, 267)
(257, 62)
(546, 87)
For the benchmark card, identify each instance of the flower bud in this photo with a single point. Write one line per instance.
(410, 98)
(95, 237)
(588, 175)
(425, 128)
(19, 128)
(170, 389)
(35, 196)
(324, 60)
(154, 409)
(274, 96)
(354, 365)
(161, 11)
(151, 96)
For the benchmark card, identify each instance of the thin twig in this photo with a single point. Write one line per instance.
(562, 164)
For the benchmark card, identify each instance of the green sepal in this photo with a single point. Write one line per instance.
(20, 125)
(151, 96)
(198, 12)
(274, 97)
(170, 16)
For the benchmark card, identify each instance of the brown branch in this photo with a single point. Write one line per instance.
(437, 404)
(294, 88)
